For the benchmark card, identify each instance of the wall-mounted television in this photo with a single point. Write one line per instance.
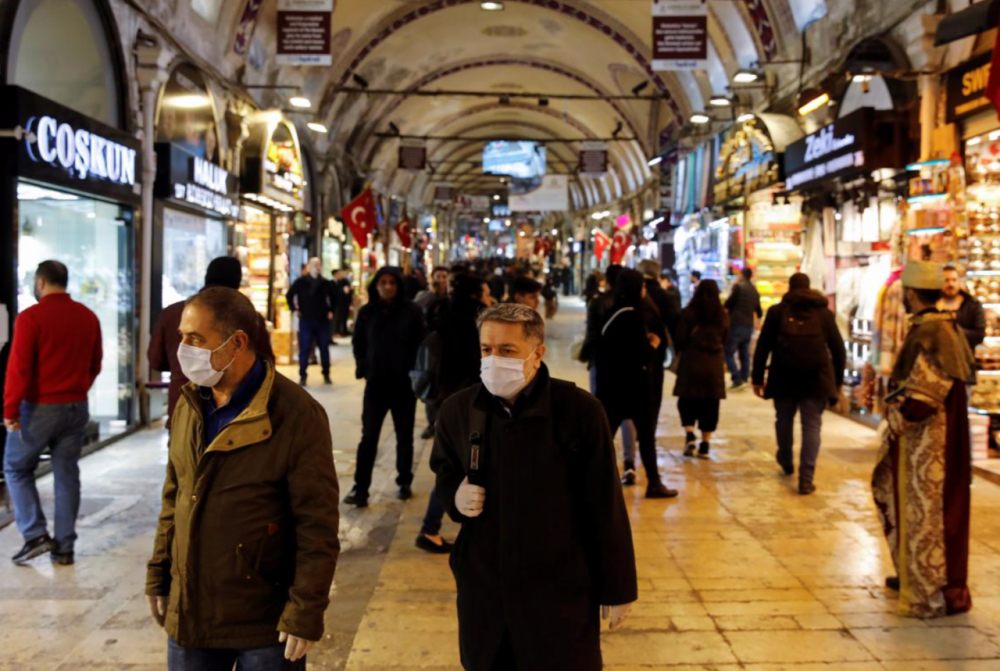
(522, 159)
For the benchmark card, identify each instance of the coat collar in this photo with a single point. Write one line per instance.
(253, 425)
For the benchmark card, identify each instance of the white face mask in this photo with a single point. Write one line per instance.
(196, 364)
(504, 376)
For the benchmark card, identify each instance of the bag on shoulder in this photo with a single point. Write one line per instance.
(801, 340)
(424, 378)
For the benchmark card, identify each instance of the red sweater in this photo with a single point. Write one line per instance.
(55, 357)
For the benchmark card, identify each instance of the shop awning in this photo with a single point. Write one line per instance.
(972, 20)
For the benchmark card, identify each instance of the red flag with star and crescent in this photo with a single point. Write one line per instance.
(620, 245)
(403, 230)
(360, 217)
(601, 242)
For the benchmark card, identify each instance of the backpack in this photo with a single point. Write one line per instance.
(424, 378)
(802, 341)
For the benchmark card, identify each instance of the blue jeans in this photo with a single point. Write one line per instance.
(812, 423)
(740, 338)
(314, 333)
(433, 516)
(271, 658)
(628, 427)
(61, 428)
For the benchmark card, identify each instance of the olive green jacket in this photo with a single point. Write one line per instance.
(247, 539)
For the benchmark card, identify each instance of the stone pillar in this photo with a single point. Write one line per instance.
(930, 86)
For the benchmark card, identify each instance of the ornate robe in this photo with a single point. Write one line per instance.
(922, 479)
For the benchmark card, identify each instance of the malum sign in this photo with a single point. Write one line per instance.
(82, 153)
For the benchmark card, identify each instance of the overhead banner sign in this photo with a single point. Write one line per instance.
(551, 195)
(593, 159)
(304, 32)
(413, 155)
(443, 193)
(680, 35)
(967, 88)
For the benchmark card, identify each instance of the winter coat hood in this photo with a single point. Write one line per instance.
(397, 274)
(805, 298)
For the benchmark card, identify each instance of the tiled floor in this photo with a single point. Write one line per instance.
(738, 573)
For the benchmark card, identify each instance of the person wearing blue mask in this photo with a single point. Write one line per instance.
(526, 464)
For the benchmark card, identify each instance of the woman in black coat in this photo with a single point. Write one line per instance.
(701, 372)
(625, 350)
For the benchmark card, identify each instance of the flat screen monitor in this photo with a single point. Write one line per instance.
(522, 159)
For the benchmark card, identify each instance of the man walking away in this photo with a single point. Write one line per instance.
(802, 341)
(923, 476)
(343, 298)
(246, 546)
(526, 291)
(968, 311)
(743, 305)
(526, 464)
(311, 299)
(387, 335)
(54, 359)
(224, 271)
(437, 291)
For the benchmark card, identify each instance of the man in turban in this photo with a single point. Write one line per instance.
(921, 482)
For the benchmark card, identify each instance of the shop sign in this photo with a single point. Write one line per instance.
(194, 181)
(444, 193)
(747, 163)
(413, 155)
(680, 34)
(966, 86)
(860, 142)
(65, 148)
(304, 32)
(593, 159)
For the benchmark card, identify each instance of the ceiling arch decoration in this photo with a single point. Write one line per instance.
(765, 29)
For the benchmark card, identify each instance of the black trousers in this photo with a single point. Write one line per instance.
(700, 412)
(656, 390)
(505, 660)
(381, 398)
(645, 428)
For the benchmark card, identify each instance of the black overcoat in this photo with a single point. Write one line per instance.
(701, 371)
(553, 543)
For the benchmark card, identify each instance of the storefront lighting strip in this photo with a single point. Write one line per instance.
(927, 198)
(988, 372)
(991, 306)
(983, 273)
(928, 164)
(979, 411)
(927, 231)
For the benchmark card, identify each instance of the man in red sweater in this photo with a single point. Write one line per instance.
(54, 359)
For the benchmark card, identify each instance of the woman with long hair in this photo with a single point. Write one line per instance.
(624, 352)
(701, 373)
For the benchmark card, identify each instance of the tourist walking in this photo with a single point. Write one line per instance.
(744, 309)
(701, 376)
(807, 358)
(54, 359)
(922, 481)
(311, 298)
(546, 546)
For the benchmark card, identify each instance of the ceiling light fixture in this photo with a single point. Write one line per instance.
(496, 196)
(699, 118)
(720, 101)
(189, 102)
(745, 76)
(748, 116)
(811, 100)
(491, 6)
(299, 101)
(318, 127)
(654, 161)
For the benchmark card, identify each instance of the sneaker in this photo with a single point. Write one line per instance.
(34, 548)
(703, 450)
(405, 492)
(62, 558)
(628, 480)
(427, 545)
(327, 380)
(806, 488)
(428, 433)
(660, 491)
(737, 386)
(357, 499)
(690, 444)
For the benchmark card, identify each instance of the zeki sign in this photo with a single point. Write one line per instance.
(82, 154)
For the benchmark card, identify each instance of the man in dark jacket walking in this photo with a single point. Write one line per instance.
(312, 301)
(968, 311)
(743, 305)
(224, 271)
(802, 341)
(532, 586)
(343, 298)
(246, 546)
(387, 335)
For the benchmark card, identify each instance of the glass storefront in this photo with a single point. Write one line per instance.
(190, 242)
(94, 239)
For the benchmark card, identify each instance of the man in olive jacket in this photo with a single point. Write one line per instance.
(247, 545)
(546, 548)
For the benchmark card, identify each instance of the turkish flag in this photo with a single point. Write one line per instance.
(620, 245)
(405, 234)
(360, 217)
(601, 242)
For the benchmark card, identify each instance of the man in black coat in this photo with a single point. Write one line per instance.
(801, 338)
(743, 305)
(312, 301)
(968, 311)
(526, 464)
(387, 335)
(343, 298)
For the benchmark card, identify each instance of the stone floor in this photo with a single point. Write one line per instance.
(739, 572)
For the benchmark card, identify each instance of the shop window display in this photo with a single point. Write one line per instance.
(93, 239)
(774, 243)
(189, 244)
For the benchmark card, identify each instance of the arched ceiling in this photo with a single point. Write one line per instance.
(574, 47)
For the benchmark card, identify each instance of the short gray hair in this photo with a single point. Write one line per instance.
(650, 269)
(512, 313)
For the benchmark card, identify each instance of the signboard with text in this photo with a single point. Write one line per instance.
(413, 155)
(680, 35)
(304, 32)
(593, 159)
(967, 88)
